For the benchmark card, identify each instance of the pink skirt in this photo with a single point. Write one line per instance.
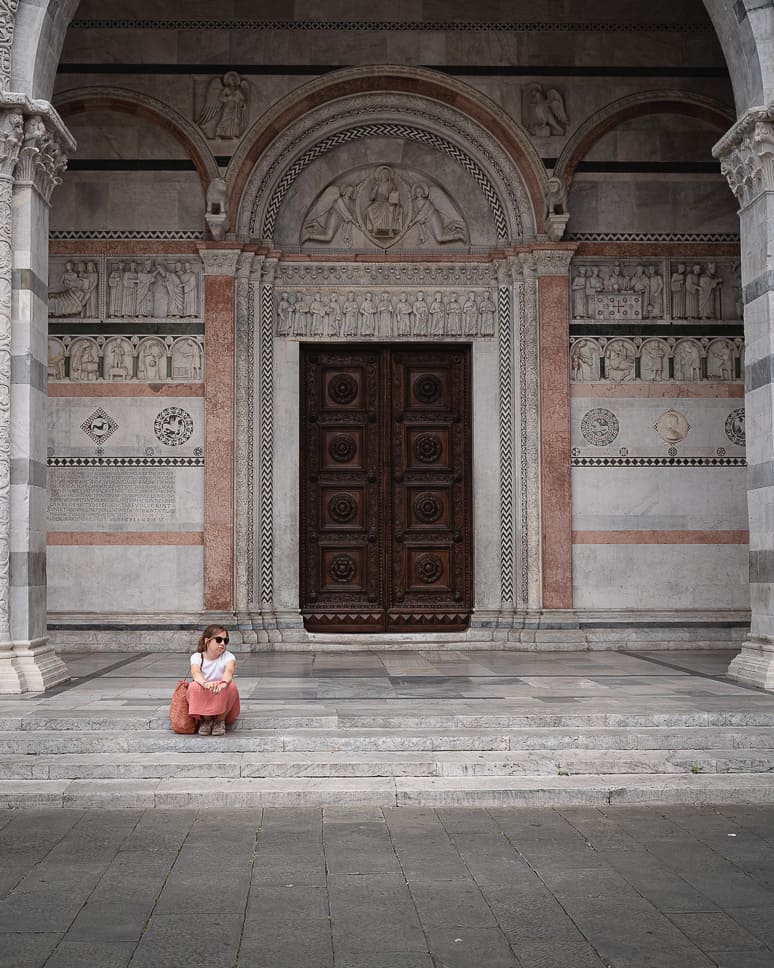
(202, 702)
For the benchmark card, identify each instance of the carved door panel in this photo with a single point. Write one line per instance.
(385, 489)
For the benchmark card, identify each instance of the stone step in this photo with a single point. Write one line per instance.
(481, 791)
(135, 740)
(157, 719)
(232, 765)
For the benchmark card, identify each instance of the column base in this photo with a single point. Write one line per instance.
(30, 666)
(754, 666)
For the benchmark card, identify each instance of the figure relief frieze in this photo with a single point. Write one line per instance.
(383, 206)
(146, 288)
(387, 314)
(223, 115)
(681, 289)
(650, 359)
(123, 359)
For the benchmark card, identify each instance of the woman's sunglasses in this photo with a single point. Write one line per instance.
(220, 639)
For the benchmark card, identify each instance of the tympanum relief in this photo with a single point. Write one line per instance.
(618, 359)
(668, 289)
(383, 206)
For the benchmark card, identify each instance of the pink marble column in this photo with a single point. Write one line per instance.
(219, 285)
(555, 471)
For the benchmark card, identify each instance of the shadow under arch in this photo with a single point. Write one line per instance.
(83, 100)
(446, 95)
(634, 106)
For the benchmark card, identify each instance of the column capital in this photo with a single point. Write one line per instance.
(554, 262)
(746, 154)
(34, 143)
(220, 262)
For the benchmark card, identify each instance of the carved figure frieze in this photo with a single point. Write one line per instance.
(388, 314)
(664, 289)
(656, 360)
(145, 287)
(224, 112)
(543, 111)
(120, 359)
(383, 206)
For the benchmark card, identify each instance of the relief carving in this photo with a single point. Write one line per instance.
(78, 291)
(119, 359)
(658, 289)
(656, 360)
(224, 114)
(385, 315)
(383, 206)
(543, 111)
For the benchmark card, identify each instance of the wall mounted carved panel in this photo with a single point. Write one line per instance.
(618, 359)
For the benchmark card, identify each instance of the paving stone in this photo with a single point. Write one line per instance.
(384, 959)
(373, 912)
(287, 926)
(464, 947)
(79, 954)
(208, 941)
(359, 848)
(715, 932)
(742, 959)
(27, 950)
(530, 917)
(457, 902)
(557, 954)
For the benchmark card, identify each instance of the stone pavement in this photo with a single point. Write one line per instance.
(621, 887)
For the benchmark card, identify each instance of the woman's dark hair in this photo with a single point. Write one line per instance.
(208, 634)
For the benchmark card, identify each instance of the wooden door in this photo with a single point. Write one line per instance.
(386, 539)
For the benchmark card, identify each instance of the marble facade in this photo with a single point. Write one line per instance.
(568, 225)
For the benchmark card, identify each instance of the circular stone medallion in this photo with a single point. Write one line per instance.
(672, 426)
(173, 426)
(342, 448)
(599, 427)
(735, 427)
(342, 388)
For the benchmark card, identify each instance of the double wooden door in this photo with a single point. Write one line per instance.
(386, 537)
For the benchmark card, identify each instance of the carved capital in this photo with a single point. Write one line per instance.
(746, 155)
(41, 158)
(220, 262)
(245, 265)
(11, 138)
(553, 262)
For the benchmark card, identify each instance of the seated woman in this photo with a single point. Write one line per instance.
(213, 696)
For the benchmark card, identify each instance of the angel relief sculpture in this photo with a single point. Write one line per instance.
(384, 207)
(224, 114)
(543, 112)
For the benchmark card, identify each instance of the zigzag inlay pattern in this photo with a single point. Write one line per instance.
(523, 455)
(392, 130)
(505, 358)
(250, 333)
(267, 443)
(116, 235)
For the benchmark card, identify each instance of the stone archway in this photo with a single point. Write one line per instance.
(476, 246)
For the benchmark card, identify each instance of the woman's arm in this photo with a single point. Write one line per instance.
(228, 674)
(196, 673)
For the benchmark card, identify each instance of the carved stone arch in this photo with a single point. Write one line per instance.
(633, 106)
(451, 119)
(744, 34)
(37, 34)
(81, 100)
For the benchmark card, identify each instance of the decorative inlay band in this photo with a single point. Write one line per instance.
(266, 445)
(125, 462)
(505, 368)
(127, 235)
(652, 237)
(658, 462)
(455, 26)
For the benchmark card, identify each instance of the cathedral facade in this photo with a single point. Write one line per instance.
(437, 332)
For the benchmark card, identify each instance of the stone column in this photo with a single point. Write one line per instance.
(553, 268)
(747, 160)
(32, 145)
(220, 267)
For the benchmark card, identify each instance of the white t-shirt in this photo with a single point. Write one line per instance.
(213, 670)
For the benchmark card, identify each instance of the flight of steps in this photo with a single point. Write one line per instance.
(407, 760)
